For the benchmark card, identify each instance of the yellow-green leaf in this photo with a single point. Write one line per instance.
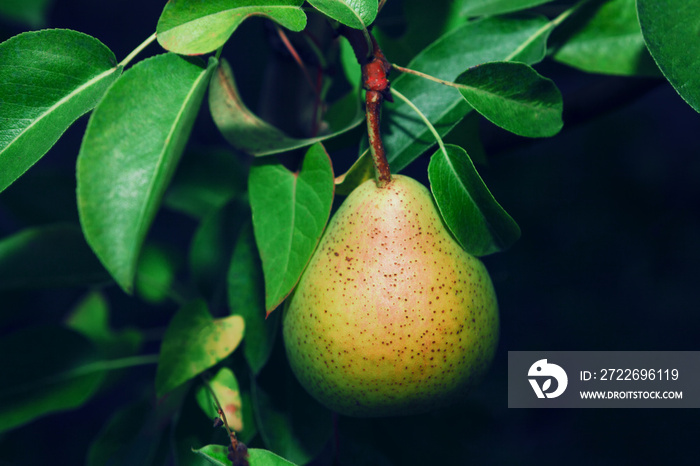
(225, 387)
(193, 343)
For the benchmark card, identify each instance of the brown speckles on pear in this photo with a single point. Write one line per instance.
(391, 316)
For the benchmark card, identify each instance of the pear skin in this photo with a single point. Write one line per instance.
(391, 315)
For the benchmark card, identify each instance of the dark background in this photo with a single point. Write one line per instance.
(608, 260)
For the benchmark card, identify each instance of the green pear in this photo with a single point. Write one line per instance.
(391, 315)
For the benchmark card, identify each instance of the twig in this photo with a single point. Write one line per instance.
(219, 409)
(237, 451)
(290, 48)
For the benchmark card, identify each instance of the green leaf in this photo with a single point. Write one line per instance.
(515, 97)
(54, 255)
(245, 131)
(37, 382)
(30, 12)
(91, 318)
(246, 297)
(471, 213)
(259, 457)
(670, 31)
(606, 38)
(130, 150)
(290, 211)
(360, 171)
(217, 455)
(193, 27)
(225, 387)
(467, 135)
(348, 61)
(491, 39)
(155, 273)
(47, 80)
(214, 454)
(205, 180)
(193, 343)
(471, 8)
(358, 14)
(407, 27)
(290, 422)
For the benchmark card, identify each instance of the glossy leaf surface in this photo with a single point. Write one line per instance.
(290, 211)
(492, 39)
(670, 31)
(48, 79)
(131, 148)
(192, 27)
(471, 213)
(469, 8)
(606, 39)
(193, 343)
(260, 457)
(515, 97)
(249, 133)
(358, 14)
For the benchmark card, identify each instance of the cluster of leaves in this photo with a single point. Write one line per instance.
(257, 230)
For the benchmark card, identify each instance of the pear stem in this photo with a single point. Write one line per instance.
(375, 82)
(376, 146)
(375, 68)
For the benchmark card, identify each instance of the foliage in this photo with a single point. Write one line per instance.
(255, 209)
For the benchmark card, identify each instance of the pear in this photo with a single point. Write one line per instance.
(391, 315)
